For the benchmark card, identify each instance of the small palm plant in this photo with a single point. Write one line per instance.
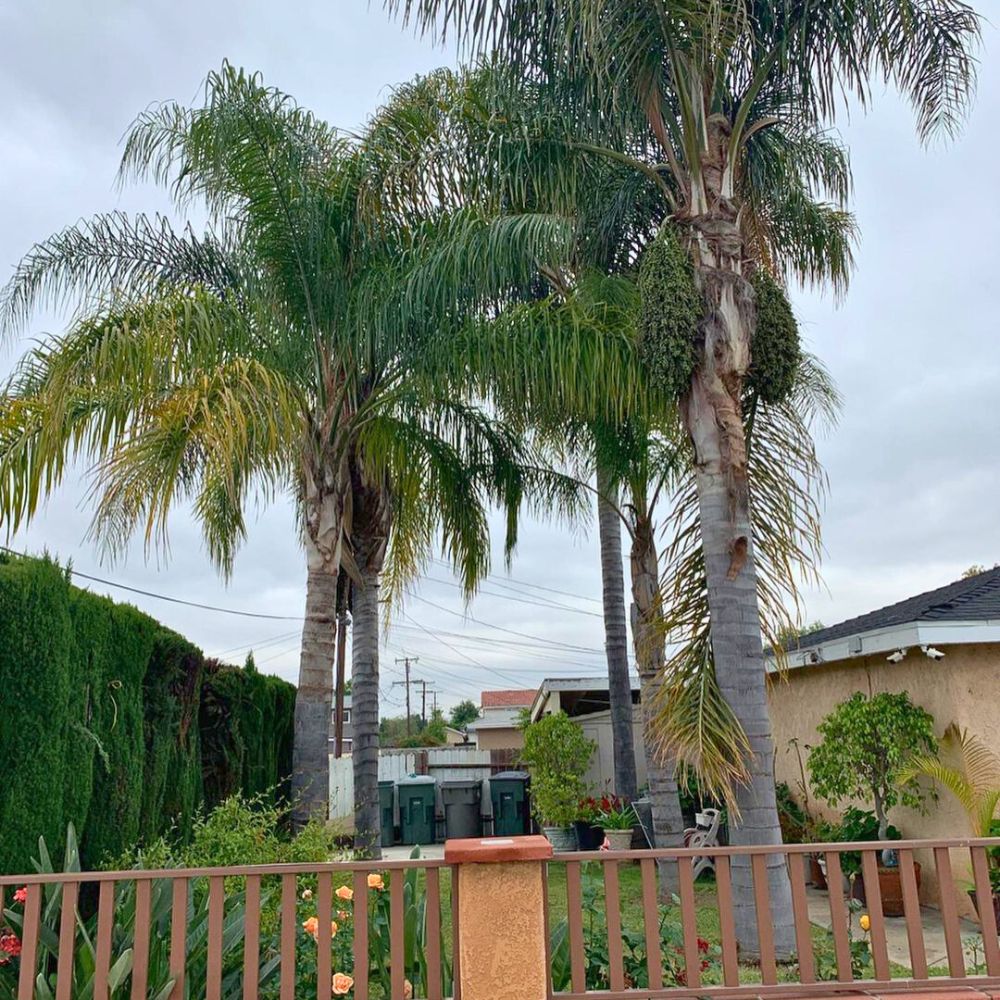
(970, 770)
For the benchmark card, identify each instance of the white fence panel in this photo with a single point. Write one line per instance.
(341, 787)
(393, 766)
(450, 764)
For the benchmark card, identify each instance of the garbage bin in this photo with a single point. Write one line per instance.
(416, 809)
(509, 792)
(387, 811)
(461, 800)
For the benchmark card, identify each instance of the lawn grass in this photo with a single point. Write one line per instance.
(630, 897)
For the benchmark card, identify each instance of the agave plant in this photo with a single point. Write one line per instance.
(160, 981)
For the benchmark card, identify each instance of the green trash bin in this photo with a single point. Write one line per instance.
(417, 794)
(386, 811)
(509, 795)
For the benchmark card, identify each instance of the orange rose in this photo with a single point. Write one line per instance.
(311, 926)
(345, 893)
(343, 915)
(375, 881)
(307, 894)
(407, 990)
(342, 984)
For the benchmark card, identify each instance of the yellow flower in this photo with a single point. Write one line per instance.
(345, 893)
(865, 922)
(342, 984)
(375, 881)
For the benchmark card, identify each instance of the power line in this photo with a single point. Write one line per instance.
(537, 603)
(524, 583)
(500, 628)
(164, 597)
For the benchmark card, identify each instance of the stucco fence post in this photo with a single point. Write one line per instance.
(502, 950)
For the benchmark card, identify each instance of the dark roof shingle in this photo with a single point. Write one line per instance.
(976, 598)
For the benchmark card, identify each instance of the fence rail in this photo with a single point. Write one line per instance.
(359, 929)
(648, 961)
(390, 930)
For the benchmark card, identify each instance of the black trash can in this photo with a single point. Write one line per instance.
(416, 809)
(386, 811)
(509, 794)
(462, 808)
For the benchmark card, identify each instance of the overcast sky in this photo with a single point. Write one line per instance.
(913, 465)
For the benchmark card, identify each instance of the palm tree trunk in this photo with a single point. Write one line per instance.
(648, 636)
(371, 521)
(364, 712)
(616, 636)
(713, 415)
(313, 696)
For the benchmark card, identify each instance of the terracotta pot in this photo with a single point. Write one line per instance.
(996, 905)
(890, 887)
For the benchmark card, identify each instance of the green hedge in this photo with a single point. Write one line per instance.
(118, 725)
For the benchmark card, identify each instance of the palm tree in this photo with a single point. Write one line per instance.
(970, 770)
(727, 104)
(615, 634)
(275, 353)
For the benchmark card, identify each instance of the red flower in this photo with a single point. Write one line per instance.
(705, 964)
(11, 944)
(21, 895)
(703, 945)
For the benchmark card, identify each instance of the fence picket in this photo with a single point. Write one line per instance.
(987, 915)
(949, 913)
(67, 941)
(873, 898)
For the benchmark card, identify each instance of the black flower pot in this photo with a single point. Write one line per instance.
(588, 836)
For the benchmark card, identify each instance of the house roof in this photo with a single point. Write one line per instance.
(974, 599)
(520, 698)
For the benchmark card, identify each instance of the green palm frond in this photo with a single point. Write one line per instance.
(787, 488)
(974, 779)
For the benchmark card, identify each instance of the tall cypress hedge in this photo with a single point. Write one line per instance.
(102, 712)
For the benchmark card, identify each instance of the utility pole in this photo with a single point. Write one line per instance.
(406, 661)
(426, 686)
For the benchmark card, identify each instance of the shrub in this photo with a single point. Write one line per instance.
(867, 743)
(556, 754)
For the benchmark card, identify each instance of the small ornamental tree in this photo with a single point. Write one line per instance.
(867, 743)
(556, 754)
(464, 713)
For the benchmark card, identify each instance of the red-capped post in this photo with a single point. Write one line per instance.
(501, 917)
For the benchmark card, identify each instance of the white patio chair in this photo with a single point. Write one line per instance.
(704, 834)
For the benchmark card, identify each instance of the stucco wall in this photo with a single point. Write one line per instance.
(499, 739)
(963, 688)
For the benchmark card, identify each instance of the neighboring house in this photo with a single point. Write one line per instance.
(496, 727)
(586, 701)
(899, 648)
(348, 728)
(455, 737)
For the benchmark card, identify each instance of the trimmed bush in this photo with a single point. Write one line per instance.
(101, 714)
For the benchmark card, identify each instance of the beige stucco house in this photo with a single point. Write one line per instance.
(496, 728)
(943, 647)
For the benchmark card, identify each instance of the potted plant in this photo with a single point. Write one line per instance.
(970, 770)
(868, 742)
(586, 826)
(556, 754)
(618, 818)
